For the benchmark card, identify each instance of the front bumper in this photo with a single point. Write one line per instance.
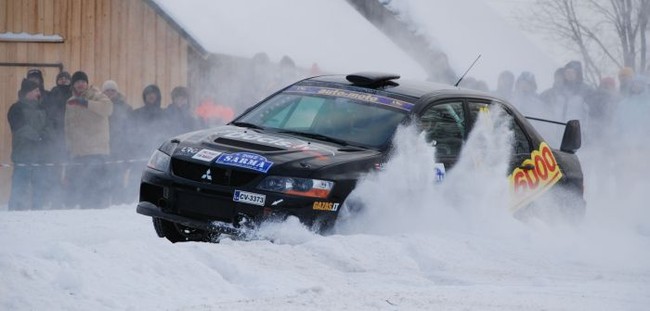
(211, 207)
(149, 209)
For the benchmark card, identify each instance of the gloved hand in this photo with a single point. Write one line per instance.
(78, 101)
(83, 102)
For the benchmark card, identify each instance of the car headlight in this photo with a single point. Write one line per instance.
(305, 187)
(159, 161)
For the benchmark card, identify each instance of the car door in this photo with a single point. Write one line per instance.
(522, 143)
(444, 124)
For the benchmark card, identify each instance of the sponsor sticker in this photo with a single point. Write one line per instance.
(534, 176)
(247, 160)
(275, 141)
(188, 150)
(440, 171)
(326, 206)
(249, 197)
(206, 155)
(360, 96)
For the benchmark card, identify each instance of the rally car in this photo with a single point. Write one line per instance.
(301, 151)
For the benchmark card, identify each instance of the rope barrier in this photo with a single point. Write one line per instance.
(7, 165)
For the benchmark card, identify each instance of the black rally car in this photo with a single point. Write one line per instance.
(301, 151)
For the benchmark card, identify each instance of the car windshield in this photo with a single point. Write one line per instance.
(342, 116)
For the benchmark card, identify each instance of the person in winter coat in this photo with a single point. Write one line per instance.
(505, 84)
(87, 137)
(631, 116)
(525, 95)
(179, 115)
(149, 121)
(121, 131)
(57, 154)
(36, 75)
(28, 123)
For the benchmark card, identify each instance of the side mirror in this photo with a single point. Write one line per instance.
(572, 139)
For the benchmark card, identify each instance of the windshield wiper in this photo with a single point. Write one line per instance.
(318, 136)
(248, 125)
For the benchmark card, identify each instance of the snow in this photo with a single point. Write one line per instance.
(27, 37)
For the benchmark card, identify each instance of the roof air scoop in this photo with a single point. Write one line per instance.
(372, 79)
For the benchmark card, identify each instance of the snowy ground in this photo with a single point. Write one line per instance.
(417, 251)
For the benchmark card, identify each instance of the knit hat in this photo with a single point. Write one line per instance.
(626, 72)
(180, 91)
(79, 75)
(35, 72)
(109, 85)
(27, 86)
(63, 74)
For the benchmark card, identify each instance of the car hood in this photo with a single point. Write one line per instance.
(268, 152)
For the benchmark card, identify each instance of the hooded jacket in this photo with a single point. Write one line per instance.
(149, 124)
(28, 123)
(87, 129)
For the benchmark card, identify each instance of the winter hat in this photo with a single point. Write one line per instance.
(35, 72)
(626, 72)
(27, 86)
(63, 74)
(180, 91)
(79, 75)
(109, 85)
(608, 83)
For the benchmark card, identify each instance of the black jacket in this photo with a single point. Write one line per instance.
(29, 132)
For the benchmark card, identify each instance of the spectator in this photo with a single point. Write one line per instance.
(87, 137)
(556, 95)
(36, 75)
(525, 96)
(505, 85)
(212, 114)
(149, 122)
(630, 118)
(179, 113)
(576, 92)
(28, 123)
(54, 105)
(625, 76)
(120, 144)
(602, 103)
(261, 80)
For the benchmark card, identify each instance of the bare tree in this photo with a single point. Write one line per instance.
(606, 33)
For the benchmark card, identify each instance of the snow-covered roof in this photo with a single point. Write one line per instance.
(328, 32)
(28, 37)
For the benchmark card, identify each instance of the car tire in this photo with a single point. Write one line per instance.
(168, 230)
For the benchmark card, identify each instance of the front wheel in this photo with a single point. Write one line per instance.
(178, 233)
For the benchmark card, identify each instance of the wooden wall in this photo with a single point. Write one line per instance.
(122, 40)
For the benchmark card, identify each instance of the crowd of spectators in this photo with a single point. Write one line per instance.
(81, 146)
(605, 111)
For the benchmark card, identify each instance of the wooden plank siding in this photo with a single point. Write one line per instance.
(123, 40)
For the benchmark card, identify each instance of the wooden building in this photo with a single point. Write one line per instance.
(130, 41)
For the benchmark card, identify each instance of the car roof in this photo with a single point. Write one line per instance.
(405, 87)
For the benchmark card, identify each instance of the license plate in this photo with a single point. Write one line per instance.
(249, 198)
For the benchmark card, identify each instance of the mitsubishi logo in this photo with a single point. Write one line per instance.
(207, 175)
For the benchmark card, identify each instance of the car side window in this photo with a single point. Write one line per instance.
(521, 143)
(444, 126)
